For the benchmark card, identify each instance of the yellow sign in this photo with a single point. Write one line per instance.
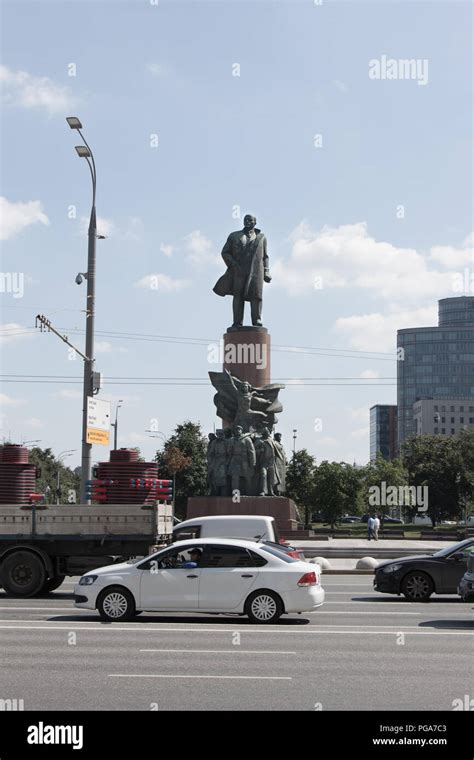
(98, 436)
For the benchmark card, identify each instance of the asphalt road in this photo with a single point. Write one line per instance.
(360, 651)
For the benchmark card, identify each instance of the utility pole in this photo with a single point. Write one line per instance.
(84, 151)
(114, 424)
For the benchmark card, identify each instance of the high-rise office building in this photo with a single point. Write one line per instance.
(383, 431)
(436, 362)
(443, 416)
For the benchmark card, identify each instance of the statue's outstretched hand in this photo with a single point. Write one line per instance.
(267, 276)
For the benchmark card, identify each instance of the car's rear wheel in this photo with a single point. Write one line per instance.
(263, 607)
(116, 604)
(417, 586)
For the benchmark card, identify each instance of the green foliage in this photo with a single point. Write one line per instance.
(300, 481)
(47, 483)
(184, 455)
(336, 487)
(392, 473)
(443, 464)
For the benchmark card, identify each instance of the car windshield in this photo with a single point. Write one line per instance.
(456, 548)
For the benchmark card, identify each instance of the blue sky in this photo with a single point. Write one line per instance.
(377, 210)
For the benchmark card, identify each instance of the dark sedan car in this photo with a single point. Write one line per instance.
(419, 577)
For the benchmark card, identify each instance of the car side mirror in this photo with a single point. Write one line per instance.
(457, 556)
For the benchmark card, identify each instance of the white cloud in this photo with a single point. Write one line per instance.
(451, 257)
(10, 401)
(33, 422)
(360, 432)
(156, 69)
(200, 249)
(162, 283)
(69, 393)
(27, 91)
(347, 257)
(340, 86)
(11, 331)
(104, 347)
(135, 439)
(369, 374)
(104, 226)
(378, 331)
(167, 249)
(15, 217)
(359, 413)
(325, 441)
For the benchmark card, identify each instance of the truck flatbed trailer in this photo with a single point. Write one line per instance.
(41, 545)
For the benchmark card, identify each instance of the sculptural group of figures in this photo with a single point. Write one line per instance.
(248, 462)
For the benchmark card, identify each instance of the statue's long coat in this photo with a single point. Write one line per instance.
(246, 264)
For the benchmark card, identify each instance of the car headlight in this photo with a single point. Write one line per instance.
(391, 568)
(87, 580)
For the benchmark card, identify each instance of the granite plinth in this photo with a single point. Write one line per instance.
(279, 507)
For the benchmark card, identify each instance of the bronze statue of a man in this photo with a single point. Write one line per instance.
(242, 461)
(245, 254)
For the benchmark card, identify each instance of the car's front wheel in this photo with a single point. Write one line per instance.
(263, 607)
(417, 586)
(116, 604)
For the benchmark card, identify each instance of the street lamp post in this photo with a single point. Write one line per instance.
(114, 424)
(67, 453)
(84, 151)
(294, 441)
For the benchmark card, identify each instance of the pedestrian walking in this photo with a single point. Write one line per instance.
(376, 527)
(370, 527)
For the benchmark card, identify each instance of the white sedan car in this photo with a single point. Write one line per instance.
(219, 575)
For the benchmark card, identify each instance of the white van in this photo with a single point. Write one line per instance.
(228, 526)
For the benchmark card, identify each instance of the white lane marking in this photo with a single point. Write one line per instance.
(155, 629)
(56, 609)
(216, 651)
(220, 678)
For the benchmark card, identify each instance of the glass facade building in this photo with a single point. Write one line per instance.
(383, 431)
(436, 362)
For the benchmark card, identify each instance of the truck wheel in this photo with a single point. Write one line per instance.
(116, 604)
(52, 584)
(23, 574)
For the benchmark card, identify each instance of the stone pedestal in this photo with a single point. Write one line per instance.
(247, 354)
(279, 507)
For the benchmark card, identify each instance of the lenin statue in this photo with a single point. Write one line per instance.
(245, 254)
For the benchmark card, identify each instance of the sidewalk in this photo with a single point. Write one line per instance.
(343, 554)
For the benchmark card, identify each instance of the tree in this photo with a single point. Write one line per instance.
(184, 458)
(334, 490)
(380, 472)
(46, 461)
(300, 481)
(435, 461)
(465, 481)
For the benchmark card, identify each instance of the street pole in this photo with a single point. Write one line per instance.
(294, 442)
(88, 389)
(115, 424)
(86, 468)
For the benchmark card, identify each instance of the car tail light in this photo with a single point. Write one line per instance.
(308, 579)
